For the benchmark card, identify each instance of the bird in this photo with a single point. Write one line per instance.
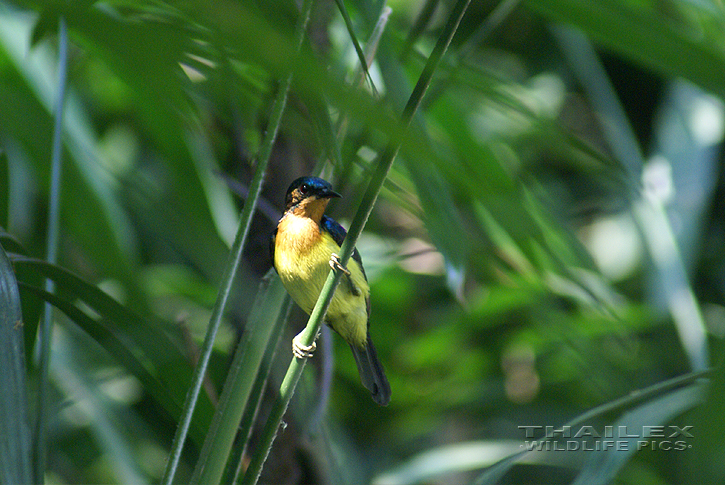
(304, 246)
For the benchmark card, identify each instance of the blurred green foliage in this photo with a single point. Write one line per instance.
(549, 240)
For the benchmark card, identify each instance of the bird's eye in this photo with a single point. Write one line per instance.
(304, 188)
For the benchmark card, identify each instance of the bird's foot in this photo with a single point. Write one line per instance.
(336, 265)
(300, 350)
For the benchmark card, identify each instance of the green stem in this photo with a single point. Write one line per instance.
(45, 334)
(484, 30)
(309, 334)
(355, 43)
(252, 409)
(234, 262)
(244, 371)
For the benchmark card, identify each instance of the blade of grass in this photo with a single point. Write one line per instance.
(647, 207)
(419, 26)
(116, 346)
(309, 334)
(250, 205)
(15, 439)
(250, 413)
(45, 331)
(602, 466)
(355, 43)
(495, 473)
(243, 373)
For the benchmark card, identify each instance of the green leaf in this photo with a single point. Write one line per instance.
(602, 467)
(15, 452)
(142, 344)
(646, 36)
(264, 324)
(705, 464)
(429, 465)
(660, 403)
(4, 189)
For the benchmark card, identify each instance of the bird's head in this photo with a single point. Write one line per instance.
(309, 196)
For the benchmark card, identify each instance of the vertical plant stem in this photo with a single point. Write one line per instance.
(236, 458)
(363, 213)
(371, 48)
(243, 373)
(358, 50)
(484, 30)
(234, 262)
(45, 331)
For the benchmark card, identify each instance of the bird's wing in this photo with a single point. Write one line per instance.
(338, 234)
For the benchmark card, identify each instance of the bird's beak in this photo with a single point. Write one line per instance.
(329, 194)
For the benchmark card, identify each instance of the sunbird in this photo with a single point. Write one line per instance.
(304, 246)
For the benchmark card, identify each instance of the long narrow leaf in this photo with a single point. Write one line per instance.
(236, 459)
(231, 268)
(242, 375)
(15, 451)
(644, 36)
(385, 161)
(142, 340)
(45, 333)
(602, 466)
(257, 393)
(358, 50)
(99, 330)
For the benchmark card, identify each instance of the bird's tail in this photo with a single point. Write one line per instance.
(371, 372)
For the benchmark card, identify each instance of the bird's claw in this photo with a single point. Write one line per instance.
(300, 350)
(336, 265)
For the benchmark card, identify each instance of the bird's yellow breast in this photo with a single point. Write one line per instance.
(302, 259)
